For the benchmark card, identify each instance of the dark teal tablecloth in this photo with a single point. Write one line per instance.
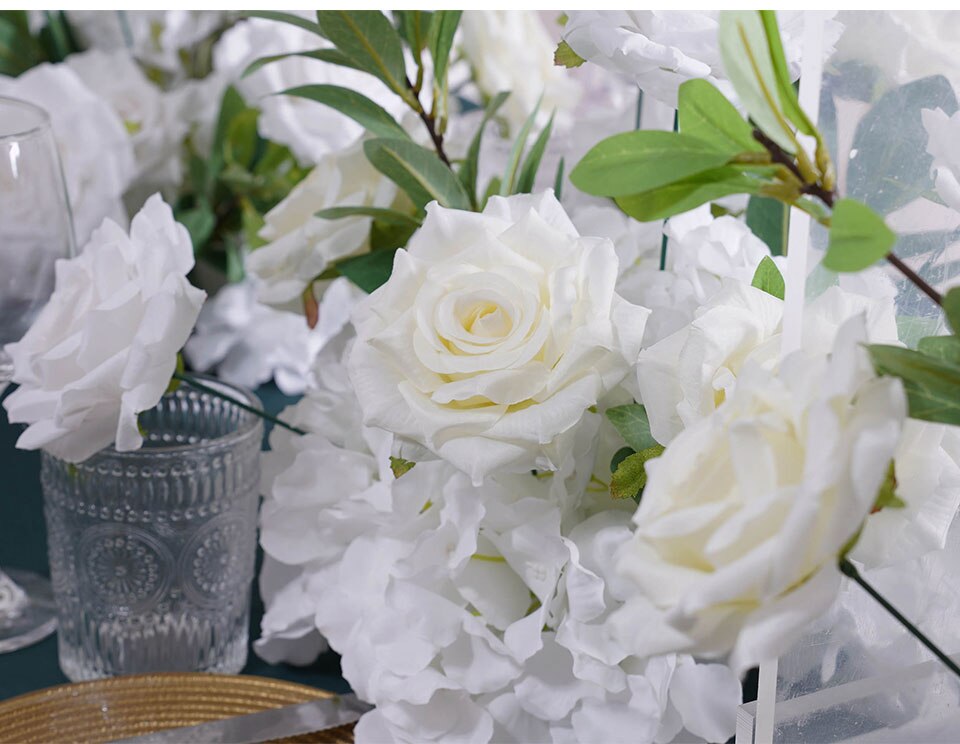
(23, 545)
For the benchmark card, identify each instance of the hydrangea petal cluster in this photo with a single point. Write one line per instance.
(105, 346)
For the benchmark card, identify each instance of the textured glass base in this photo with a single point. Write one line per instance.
(35, 620)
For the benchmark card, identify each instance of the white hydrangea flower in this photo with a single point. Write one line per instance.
(463, 612)
(105, 346)
(249, 343)
(661, 49)
(512, 50)
(148, 114)
(738, 554)
(311, 130)
(95, 150)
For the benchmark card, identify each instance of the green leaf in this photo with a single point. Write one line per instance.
(242, 139)
(390, 235)
(369, 271)
(468, 171)
(564, 56)
(371, 41)
(619, 456)
(858, 237)
(630, 477)
(442, 28)
(632, 424)
(493, 188)
(558, 180)
(682, 196)
(414, 25)
(399, 466)
(789, 103)
(944, 348)
(389, 216)
(932, 385)
(357, 106)
(19, 51)
(704, 112)
(57, 36)
(892, 166)
(294, 20)
(951, 308)
(418, 171)
(531, 163)
(200, 223)
(641, 160)
(746, 61)
(333, 56)
(769, 220)
(769, 279)
(509, 181)
(231, 105)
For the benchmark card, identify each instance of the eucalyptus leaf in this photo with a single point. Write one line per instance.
(373, 117)
(389, 216)
(468, 171)
(768, 278)
(951, 308)
(443, 26)
(633, 425)
(333, 56)
(531, 163)
(682, 196)
(858, 237)
(509, 181)
(290, 18)
(932, 385)
(789, 103)
(368, 271)
(704, 112)
(418, 171)
(944, 348)
(746, 60)
(371, 42)
(414, 25)
(640, 160)
(769, 220)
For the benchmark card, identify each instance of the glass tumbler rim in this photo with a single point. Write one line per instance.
(252, 425)
(41, 123)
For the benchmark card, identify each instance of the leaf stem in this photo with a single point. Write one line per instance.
(210, 390)
(914, 277)
(851, 571)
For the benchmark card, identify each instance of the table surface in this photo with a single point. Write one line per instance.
(23, 544)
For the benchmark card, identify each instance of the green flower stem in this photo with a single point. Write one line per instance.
(851, 571)
(195, 383)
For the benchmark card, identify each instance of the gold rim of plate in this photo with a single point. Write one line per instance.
(123, 707)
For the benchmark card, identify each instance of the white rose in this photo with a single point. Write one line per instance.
(511, 50)
(148, 113)
(942, 145)
(746, 512)
(311, 130)
(300, 246)
(105, 347)
(494, 335)
(687, 375)
(661, 49)
(95, 149)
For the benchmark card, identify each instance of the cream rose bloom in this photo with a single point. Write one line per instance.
(105, 347)
(745, 514)
(494, 335)
(301, 247)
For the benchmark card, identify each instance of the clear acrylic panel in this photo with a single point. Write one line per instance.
(857, 675)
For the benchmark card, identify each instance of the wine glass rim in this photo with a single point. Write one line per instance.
(42, 123)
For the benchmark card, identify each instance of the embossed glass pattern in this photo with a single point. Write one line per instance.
(152, 552)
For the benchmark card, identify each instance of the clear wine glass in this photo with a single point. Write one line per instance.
(36, 229)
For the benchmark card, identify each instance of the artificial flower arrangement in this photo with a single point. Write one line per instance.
(553, 479)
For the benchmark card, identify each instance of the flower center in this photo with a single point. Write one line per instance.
(488, 320)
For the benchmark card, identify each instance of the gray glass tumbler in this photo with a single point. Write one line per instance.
(152, 552)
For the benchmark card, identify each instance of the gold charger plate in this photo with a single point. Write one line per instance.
(122, 707)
